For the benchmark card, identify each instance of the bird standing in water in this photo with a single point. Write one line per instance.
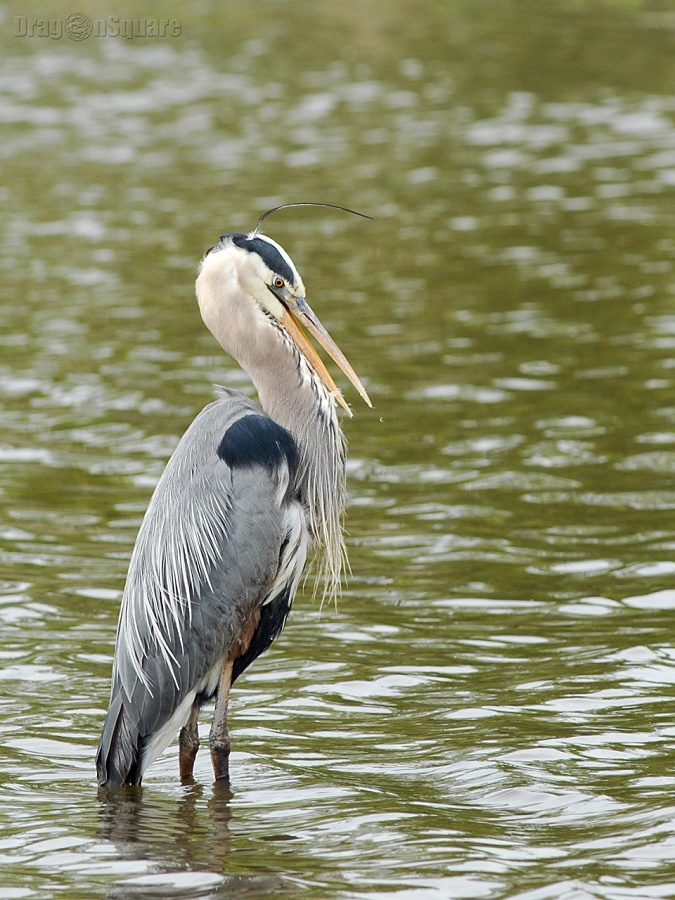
(226, 535)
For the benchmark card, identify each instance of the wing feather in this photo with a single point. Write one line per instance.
(206, 556)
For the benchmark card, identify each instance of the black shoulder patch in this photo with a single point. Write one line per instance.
(257, 440)
(268, 253)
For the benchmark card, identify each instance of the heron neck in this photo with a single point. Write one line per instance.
(292, 394)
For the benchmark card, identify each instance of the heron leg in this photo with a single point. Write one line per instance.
(219, 739)
(188, 744)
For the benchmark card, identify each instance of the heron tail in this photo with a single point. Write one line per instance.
(119, 751)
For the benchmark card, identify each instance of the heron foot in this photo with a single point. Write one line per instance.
(188, 744)
(219, 738)
(220, 758)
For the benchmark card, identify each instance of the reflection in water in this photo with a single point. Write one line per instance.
(142, 824)
(181, 836)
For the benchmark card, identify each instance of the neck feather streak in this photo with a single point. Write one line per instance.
(298, 400)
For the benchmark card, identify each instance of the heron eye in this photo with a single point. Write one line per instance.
(278, 282)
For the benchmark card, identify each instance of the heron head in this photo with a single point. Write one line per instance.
(255, 266)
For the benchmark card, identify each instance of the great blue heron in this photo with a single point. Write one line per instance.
(225, 538)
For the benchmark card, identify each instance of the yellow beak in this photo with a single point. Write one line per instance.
(299, 312)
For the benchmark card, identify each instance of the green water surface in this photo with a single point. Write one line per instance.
(488, 713)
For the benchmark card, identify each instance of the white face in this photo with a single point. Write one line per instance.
(259, 267)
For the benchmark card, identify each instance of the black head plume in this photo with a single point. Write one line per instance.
(269, 212)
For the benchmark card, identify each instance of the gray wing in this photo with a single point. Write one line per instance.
(205, 558)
